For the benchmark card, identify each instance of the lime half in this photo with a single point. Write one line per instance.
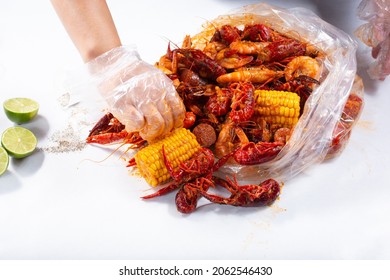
(20, 110)
(18, 141)
(4, 160)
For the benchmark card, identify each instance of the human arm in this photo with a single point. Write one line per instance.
(139, 95)
(89, 25)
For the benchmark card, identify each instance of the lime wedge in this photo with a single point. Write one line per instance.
(20, 110)
(4, 160)
(18, 141)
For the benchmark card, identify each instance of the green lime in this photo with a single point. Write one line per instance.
(4, 160)
(20, 110)
(18, 141)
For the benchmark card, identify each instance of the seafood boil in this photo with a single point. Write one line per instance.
(244, 91)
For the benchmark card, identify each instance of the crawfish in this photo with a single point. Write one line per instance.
(229, 138)
(247, 195)
(219, 103)
(198, 165)
(197, 61)
(107, 124)
(259, 33)
(256, 153)
(226, 34)
(193, 90)
(109, 130)
(194, 97)
(187, 197)
(243, 102)
(258, 131)
(282, 49)
(193, 175)
(191, 78)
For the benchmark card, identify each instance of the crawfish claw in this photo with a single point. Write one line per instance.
(162, 191)
(246, 196)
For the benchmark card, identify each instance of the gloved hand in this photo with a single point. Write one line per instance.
(139, 95)
(376, 34)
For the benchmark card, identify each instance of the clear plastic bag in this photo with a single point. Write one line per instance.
(313, 135)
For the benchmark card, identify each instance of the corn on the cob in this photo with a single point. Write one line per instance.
(179, 147)
(279, 108)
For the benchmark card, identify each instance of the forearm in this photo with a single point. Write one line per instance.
(89, 25)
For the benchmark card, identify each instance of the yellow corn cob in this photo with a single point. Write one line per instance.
(279, 108)
(179, 147)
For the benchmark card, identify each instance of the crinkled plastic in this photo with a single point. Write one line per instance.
(351, 113)
(313, 135)
(139, 95)
(376, 34)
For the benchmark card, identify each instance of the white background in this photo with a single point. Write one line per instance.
(65, 206)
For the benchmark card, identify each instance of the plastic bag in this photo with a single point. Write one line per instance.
(313, 135)
(376, 34)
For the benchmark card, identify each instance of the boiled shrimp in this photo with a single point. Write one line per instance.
(302, 65)
(248, 47)
(231, 59)
(252, 74)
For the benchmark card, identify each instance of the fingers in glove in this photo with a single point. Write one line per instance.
(154, 125)
(133, 119)
(166, 113)
(177, 107)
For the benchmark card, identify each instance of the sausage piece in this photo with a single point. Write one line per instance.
(205, 134)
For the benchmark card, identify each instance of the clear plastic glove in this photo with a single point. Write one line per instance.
(376, 34)
(139, 95)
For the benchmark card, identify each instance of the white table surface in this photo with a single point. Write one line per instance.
(65, 206)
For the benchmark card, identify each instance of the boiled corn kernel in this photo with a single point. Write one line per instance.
(180, 146)
(279, 108)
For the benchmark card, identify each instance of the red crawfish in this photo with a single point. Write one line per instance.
(187, 197)
(226, 34)
(106, 130)
(197, 61)
(192, 175)
(219, 103)
(200, 164)
(253, 153)
(259, 33)
(247, 195)
(243, 102)
(282, 49)
(256, 153)
(109, 130)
